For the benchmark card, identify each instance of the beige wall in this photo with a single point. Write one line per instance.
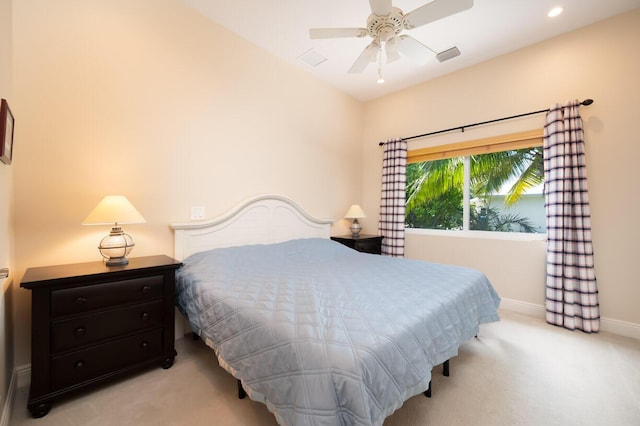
(148, 99)
(6, 214)
(599, 62)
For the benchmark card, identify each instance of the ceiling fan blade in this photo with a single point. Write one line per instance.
(391, 47)
(317, 33)
(380, 7)
(437, 9)
(414, 50)
(368, 55)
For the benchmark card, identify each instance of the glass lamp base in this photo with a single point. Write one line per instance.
(355, 228)
(116, 246)
(117, 261)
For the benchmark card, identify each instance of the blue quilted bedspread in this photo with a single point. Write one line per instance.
(325, 335)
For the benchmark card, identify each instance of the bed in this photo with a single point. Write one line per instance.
(320, 333)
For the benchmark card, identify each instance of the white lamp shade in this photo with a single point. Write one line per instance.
(114, 209)
(355, 212)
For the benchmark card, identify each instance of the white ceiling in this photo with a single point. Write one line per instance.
(489, 29)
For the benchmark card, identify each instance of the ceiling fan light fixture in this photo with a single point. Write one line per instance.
(384, 26)
(380, 79)
(391, 50)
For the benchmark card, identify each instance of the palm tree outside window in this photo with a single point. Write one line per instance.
(498, 191)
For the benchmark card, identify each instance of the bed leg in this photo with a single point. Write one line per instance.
(194, 336)
(241, 393)
(427, 393)
(445, 372)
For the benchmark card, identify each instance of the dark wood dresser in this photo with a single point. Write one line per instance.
(364, 243)
(91, 323)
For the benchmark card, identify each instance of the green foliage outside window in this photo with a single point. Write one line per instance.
(435, 190)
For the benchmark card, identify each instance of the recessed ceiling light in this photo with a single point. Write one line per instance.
(555, 12)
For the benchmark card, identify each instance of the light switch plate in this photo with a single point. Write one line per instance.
(197, 213)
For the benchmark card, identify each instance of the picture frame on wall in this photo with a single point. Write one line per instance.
(6, 132)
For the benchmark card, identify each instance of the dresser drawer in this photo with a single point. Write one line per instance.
(86, 298)
(93, 362)
(364, 243)
(373, 246)
(77, 331)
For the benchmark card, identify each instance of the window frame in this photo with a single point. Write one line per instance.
(511, 141)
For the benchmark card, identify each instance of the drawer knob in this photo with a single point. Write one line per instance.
(145, 316)
(80, 301)
(80, 331)
(146, 289)
(144, 345)
(79, 365)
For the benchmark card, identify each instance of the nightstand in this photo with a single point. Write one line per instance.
(364, 243)
(91, 323)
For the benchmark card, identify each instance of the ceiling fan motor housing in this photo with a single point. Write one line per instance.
(384, 27)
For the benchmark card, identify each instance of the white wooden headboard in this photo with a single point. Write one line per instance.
(260, 220)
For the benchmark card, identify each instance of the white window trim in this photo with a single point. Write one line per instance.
(482, 235)
(466, 194)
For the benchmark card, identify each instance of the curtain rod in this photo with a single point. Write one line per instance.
(585, 102)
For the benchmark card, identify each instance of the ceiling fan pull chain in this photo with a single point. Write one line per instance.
(380, 79)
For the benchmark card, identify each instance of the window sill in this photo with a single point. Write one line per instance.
(483, 235)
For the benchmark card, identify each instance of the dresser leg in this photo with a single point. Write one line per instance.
(39, 410)
(167, 362)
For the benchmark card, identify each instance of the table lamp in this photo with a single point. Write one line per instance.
(115, 210)
(355, 212)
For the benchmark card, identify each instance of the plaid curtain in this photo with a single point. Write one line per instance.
(571, 290)
(392, 199)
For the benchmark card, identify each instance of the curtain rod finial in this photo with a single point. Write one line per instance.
(587, 102)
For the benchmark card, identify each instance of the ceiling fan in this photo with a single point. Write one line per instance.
(385, 24)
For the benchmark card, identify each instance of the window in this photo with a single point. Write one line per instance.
(491, 184)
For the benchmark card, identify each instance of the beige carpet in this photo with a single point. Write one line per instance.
(519, 371)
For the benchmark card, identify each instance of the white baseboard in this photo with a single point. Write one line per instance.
(530, 309)
(20, 377)
(609, 325)
(23, 374)
(8, 401)
(622, 328)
